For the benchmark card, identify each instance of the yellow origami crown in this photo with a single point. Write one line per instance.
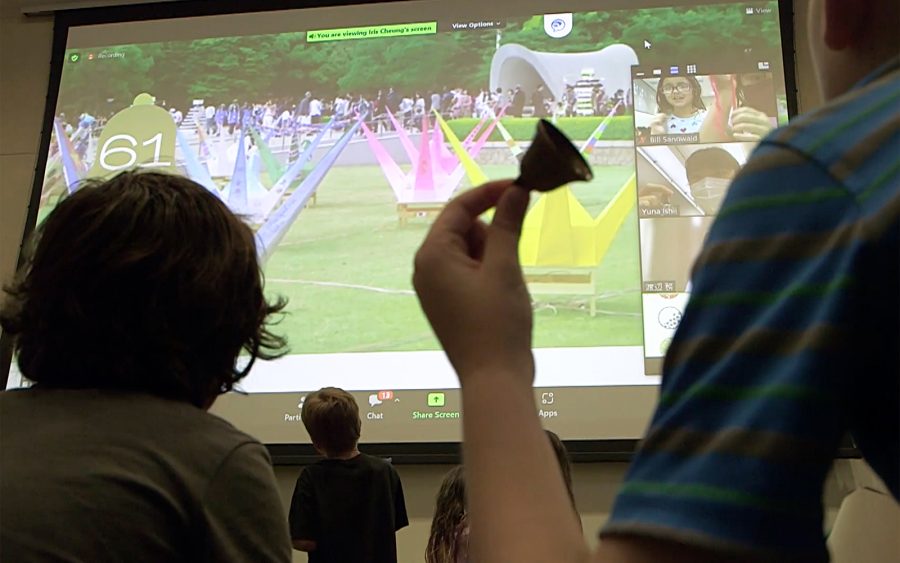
(558, 231)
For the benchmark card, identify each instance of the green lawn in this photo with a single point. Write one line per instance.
(351, 237)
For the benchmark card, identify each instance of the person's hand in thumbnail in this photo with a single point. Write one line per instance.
(659, 124)
(654, 195)
(724, 88)
(715, 125)
(750, 124)
(470, 284)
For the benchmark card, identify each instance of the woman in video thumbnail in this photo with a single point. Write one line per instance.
(681, 108)
(745, 108)
(757, 109)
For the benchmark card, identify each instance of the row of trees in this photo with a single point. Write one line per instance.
(262, 67)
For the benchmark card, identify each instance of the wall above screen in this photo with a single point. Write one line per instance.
(43, 7)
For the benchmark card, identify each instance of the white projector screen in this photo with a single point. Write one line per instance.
(338, 133)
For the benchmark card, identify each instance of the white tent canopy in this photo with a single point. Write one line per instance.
(514, 65)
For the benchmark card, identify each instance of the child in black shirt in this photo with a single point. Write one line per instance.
(346, 507)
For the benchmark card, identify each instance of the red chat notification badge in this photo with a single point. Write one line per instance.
(385, 395)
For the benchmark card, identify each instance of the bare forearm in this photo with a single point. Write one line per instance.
(518, 506)
(715, 125)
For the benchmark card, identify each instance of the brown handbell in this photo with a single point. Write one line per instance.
(551, 161)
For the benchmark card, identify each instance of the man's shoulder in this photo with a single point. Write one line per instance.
(126, 438)
(111, 414)
(377, 464)
(854, 139)
(327, 462)
(840, 160)
(332, 473)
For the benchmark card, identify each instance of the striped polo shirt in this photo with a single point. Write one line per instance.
(789, 340)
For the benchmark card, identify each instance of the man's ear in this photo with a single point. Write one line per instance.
(846, 21)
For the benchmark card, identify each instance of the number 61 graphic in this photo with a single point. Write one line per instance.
(106, 151)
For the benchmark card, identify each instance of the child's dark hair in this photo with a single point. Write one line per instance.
(331, 417)
(450, 514)
(145, 282)
(696, 95)
(713, 161)
(450, 519)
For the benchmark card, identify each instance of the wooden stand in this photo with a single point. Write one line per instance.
(427, 211)
(563, 281)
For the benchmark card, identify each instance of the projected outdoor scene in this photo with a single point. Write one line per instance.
(339, 153)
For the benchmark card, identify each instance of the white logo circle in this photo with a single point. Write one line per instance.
(558, 25)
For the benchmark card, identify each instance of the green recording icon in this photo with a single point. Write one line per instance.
(74, 57)
(436, 399)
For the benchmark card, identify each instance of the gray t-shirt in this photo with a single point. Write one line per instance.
(101, 476)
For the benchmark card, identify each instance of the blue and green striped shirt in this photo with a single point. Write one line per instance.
(790, 339)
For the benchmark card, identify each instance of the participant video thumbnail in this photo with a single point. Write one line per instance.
(687, 180)
(682, 107)
(662, 315)
(669, 247)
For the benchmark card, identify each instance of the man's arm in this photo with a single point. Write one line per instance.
(467, 274)
(734, 463)
(503, 496)
(519, 509)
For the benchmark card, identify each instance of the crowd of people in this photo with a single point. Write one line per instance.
(284, 116)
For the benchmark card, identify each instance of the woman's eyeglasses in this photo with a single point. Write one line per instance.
(681, 88)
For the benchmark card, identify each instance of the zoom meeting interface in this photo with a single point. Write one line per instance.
(338, 134)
